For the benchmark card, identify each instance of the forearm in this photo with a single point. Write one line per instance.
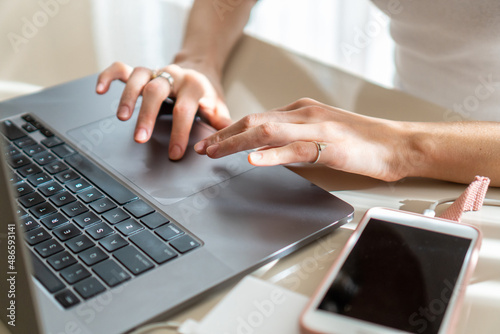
(213, 29)
(453, 151)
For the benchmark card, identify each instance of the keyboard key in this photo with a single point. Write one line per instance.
(138, 208)
(90, 195)
(38, 179)
(54, 220)
(25, 142)
(44, 158)
(29, 127)
(170, 231)
(61, 260)
(89, 288)
(67, 298)
(79, 243)
(113, 242)
(133, 260)
(128, 227)
(74, 273)
(11, 131)
(92, 256)
(36, 236)
(43, 274)
(77, 185)
(56, 167)
(86, 219)
(31, 199)
(66, 176)
(52, 141)
(29, 223)
(67, 232)
(154, 220)
(74, 209)
(153, 246)
(22, 188)
(99, 177)
(36, 124)
(102, 205)
(20, 212)
(18, 161)
(63, 151)
(46, 132)
(99, 231)
(14, 178)
(184, 243)
(111, 273)
(62, 199)
(11, 151)
(115, 216)
(28, 118)
(50, 188)
(34, 149)
(29, 170)
(48, 248)
(42, 210)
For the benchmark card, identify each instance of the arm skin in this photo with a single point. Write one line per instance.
(214, 27)
(212, 32)
(383, 149)
(456, 151)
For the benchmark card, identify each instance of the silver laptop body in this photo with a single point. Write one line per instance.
(236, 217)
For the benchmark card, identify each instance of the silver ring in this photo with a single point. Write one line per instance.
(164, 75)
(320, 147)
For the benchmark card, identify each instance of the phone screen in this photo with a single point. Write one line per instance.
(398, 276)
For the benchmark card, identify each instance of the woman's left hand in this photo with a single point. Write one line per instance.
(354, 143)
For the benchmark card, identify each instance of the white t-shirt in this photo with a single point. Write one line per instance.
(448, 52)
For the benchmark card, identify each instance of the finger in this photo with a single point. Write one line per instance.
(154, 92)
(295, 152)
(215, 111)
(267, 134)
(116, 71)
(184, 113)
(248, 123)
(139, 78)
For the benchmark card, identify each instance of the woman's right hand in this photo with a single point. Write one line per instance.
(196, 89)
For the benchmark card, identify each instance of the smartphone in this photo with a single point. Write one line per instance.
(399, 272)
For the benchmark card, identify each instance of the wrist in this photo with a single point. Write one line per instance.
(201, 63)
(416, 150)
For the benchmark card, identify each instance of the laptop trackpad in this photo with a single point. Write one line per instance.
(148, 166)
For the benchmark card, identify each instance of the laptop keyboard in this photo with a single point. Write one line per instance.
(86, 231)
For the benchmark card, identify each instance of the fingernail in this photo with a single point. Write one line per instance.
(175, 152)
(141, 135)
(255, 156)
(212, 149)
(123, 112)
(199, 147)
(100, 87)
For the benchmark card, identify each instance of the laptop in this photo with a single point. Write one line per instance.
(102, 235)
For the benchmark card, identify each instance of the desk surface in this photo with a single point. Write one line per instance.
(260, 77)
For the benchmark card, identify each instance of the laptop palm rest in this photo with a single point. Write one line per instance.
(147, 165)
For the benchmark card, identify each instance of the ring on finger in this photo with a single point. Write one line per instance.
(165, 75)
(320, 147)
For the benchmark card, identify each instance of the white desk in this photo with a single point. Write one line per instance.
(260, 77)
